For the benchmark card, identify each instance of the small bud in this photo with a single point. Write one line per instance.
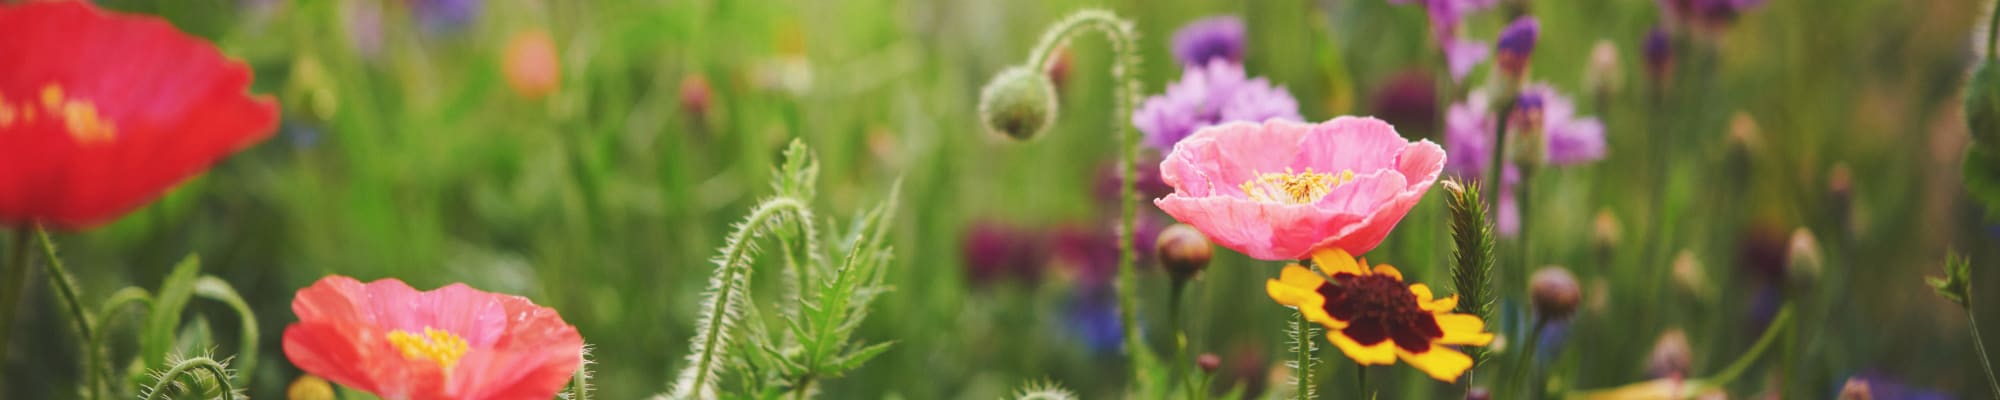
(1183, 250)
(530, 64)
(1689, 274)
(1526, 123)
(1479, 393)
(1059, 67)
(1555, 292)
(1602, 74)
(695, 96)
(1982, 104)
(1856, 389)
(1803, 263)
(1516, 44)
(1672, 356)
(309, 387)
(1018, 103)
(1209, 362)
(1604, 230)
(1840, 196)
(1659, 52)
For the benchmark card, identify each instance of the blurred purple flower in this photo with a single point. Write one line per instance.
(1460, 55)
(1089, 254)
(1149, 183)
(1093, 318)
(1659, 54)
(1208, 95)
(1468, 136)
(440, 16)
(993, 251)
(1876, 385)
(1516, 44)
(364, 27)
(1445, 16)
(1209, 39)
(1408, 101)
(1569, 139)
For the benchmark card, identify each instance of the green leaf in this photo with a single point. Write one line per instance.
(1982, 176)
(158, 336)
(854, 359)
(213, 288)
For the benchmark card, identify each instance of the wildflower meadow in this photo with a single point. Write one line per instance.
(975, 199)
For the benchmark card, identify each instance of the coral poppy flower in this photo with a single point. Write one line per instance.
(1373, 317)
(101, 112)
(455, 342)
(1281, 189)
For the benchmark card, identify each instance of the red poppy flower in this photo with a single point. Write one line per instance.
(455, 342)
(101, 112)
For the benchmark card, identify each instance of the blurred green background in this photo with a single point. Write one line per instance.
(404, 154)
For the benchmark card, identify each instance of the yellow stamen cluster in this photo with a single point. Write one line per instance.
(78, 116)
(434, 344)
(1294, 188)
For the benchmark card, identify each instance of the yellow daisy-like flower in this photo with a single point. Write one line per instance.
(1373, 317)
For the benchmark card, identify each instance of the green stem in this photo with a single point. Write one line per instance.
(1302, 354)
(1992, 33)
(1361, 379)
(1524, 366)
(1125, 65)
(1180, 360)
(187, 367)
(12, 282)
(805, 385)
(65, 286)
(1979, 344)
(1736, 368)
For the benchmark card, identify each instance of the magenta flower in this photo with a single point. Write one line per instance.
(1281, 189)
(1207, 95)
(1209, 39)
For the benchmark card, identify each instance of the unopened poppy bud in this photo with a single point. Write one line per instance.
(1856, 389)
(309, 387)
(1183, 250)
(1672, 356)
(1516, 43)
(695, 96)
(1209, 362)
(1604, 230)
(1018, 102)
(531, 65)
(1479, 393)
(1059, 68)
(1554, 291)
(1803, 264)
(1982, 104)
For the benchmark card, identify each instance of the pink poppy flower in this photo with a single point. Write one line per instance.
(456, 342)
(1281, 189)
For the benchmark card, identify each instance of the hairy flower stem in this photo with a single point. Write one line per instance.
(1125, 64)
(1180, 360)
(13, 281)
(65, 286)
(1978, 344)
(187, 367)
(1302, 354)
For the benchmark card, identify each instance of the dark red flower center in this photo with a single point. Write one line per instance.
(1378, 308)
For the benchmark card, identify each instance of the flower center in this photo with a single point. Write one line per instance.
(434, 344)
(1294, 188)
(1378, 308)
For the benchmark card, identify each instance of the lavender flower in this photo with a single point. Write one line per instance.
(1468, 135)
(1568, 139)
(1460, 55)
(1208, 95)
(1564, 138)
(1516, 43)
(1209, 39)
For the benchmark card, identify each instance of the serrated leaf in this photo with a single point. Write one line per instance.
(854, 359)
(165, 316)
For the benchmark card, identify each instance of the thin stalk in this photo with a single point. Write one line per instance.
(1525, 366)
(1361, 378)
(65, 287)
(1302, 338)
(1180, 360)
(1985, 362)
(1524, 207)
(1778, 325)
(1992, 33)
(805, 385)
(12, 282)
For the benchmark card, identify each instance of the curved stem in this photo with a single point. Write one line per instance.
(13, 280)
(187, 366)
(1778, 325)
(1524, 367)
(97, 363)
(733, 264)
(1125, 64)
(1979, 344)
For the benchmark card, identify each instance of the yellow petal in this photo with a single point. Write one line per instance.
(1442, 363)
(1290, 295)
(1299, 277)
(1464, 329)
(1423, 293)
(1334, 261)
(1390, 270)
(1383, 353)
(1440, 305)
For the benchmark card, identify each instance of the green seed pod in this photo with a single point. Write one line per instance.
(1018, 102)
(1982, 105)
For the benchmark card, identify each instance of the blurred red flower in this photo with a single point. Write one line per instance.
(101, 112)
(455, 342)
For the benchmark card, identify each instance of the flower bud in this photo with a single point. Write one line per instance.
(1526, 123)
(1604, 230)
(1672, 356)
(309, 387)
(1555, 292)
(1659, 52)
(1183, 250)
(1479, 393)
(1602, 74)
(1209, 362)
(530, 64)
(695, 96)
(1856, 389)
(1516, 43)
(1059, 67)
(1689, 274)
(1982, 104)
(1803, 263)
(1018, 102)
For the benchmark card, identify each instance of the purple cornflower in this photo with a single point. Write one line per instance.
(1093, 319)
(1208, 39)
(1209, 95)
(1707, 15)
(1876, 385)
(440, 16)
(1516, 43)
(1659, 53)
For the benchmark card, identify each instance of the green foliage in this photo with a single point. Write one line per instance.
(821, 316)
(1471, 256)
(1956, 285)
(201, 377)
